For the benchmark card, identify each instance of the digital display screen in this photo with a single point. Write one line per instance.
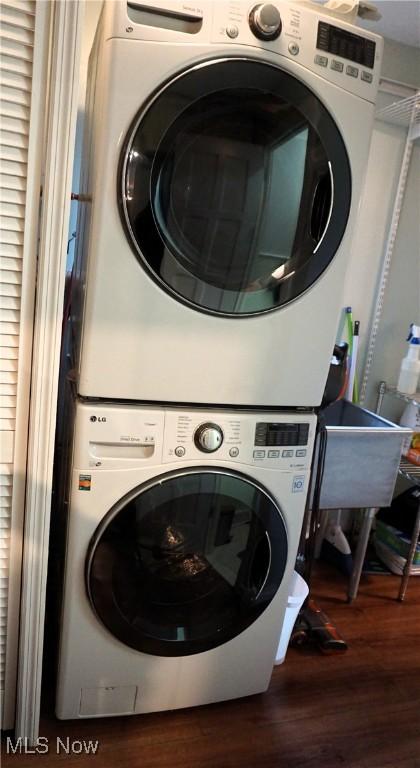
(345, 44)
(269, 434)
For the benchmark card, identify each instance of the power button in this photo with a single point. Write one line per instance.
(232, 31)
(180, 451)
(294, 49)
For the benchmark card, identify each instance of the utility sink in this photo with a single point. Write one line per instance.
(362, 457)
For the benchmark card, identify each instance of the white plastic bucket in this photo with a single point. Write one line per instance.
(297, 593)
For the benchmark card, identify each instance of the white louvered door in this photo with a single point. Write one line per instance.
(20, 163)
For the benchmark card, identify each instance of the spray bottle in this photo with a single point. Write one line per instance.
(410, 364)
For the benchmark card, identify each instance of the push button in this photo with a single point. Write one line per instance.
(322, 61)
(273, 454)
(234, 452)
(367, 77)
(294, 49)
(352, 71)
(300, 453)
(180, 451)
(232, 31)
(259, 454)
(287, 454)
(337, 66)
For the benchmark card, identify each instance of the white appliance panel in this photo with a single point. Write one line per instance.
(98, 674)
(139, 342)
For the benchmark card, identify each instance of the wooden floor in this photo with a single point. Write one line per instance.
(359, 710)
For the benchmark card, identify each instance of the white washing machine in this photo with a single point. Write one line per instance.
(183, 533)
(226, 149)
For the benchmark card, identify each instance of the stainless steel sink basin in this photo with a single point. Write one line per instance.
(362, 457)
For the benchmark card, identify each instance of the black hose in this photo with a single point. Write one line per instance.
(312, 513)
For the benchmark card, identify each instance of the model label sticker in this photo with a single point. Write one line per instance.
(85, 482)
(298, 483)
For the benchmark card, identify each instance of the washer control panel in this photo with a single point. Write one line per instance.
(120, 436)
(282, 441)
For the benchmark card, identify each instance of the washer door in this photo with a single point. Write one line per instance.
(186, 562)
(235, 187)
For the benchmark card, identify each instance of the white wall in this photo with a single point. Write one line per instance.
(402, 301)
(92, 13)
(402, 298)
(401, 63)
(375, 211)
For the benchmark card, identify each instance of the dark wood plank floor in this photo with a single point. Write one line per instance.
(358, 710)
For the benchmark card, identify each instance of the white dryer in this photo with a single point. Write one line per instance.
(224, 165)
(183, 533)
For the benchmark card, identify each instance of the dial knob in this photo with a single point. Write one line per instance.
(208, 437)
(265, 21)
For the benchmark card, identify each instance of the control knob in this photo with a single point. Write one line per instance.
(265, 21)
(208, 437)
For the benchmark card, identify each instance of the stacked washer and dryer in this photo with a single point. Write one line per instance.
(224, 160)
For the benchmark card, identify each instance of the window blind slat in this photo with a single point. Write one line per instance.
(11, 278)
(8, 341)
(13, 210)
(10, 302)
(13, 154)
(24, 6)
(7, 389)
(17, 26)
(15, 65)
(8, 364)
(9, 289)
(10, 123)
(9, 316)
(12, 196)
(16, 17)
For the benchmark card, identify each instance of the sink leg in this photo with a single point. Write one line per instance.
(410, 556)
(359, 557)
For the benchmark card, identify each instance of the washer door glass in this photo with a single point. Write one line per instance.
(235, 187)
(187, 562)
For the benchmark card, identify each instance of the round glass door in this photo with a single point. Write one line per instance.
(187, 562)
(235, 187)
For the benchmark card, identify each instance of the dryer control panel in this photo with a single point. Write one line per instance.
(302, 33)
(342, 53)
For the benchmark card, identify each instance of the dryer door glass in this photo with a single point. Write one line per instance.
(187, 562)
(235, 187)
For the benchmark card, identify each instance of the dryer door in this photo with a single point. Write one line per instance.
(235, 187)
(186, 562)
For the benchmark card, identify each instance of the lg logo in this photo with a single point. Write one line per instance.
(98, 418)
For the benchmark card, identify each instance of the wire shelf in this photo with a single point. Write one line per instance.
(415, 399)
(405, 112)
(410, 471)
